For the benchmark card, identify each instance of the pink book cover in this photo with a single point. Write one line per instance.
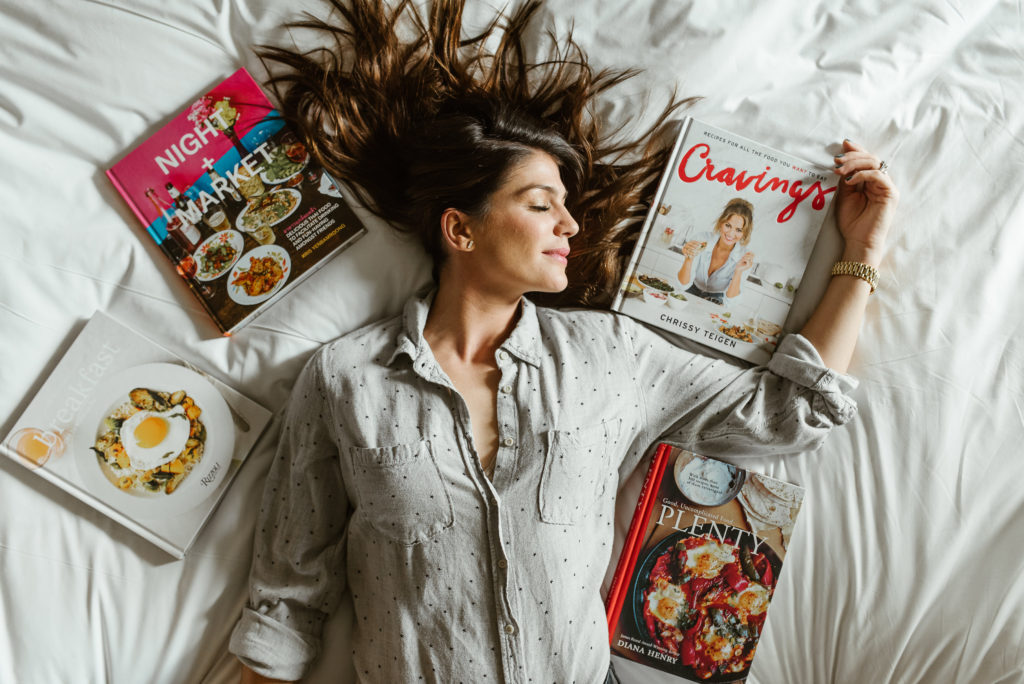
(233, 199)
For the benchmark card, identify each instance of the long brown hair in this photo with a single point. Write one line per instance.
(417, 117)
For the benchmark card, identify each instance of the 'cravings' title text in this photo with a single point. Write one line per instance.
(691, 170)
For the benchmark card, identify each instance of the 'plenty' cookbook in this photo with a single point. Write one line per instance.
(236, 204)
(699, 567)
(137, 432)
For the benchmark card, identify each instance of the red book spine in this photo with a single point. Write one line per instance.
(631, 547)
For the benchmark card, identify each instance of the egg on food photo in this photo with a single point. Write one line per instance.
(153, 438)
(150, 443)
(708, 559)
(753, 600)
(665, 600)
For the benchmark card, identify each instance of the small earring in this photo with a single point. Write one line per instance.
(469, 245)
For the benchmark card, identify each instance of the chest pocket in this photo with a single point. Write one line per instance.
(577, 468)
(401, 492)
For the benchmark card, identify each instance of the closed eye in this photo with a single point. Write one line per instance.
(540, 208)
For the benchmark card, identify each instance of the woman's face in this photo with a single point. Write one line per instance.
(732, 230)
(522, 243)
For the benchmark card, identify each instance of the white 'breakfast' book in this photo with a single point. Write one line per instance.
(137, 433)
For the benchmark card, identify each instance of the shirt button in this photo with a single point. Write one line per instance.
(503, 355)
(507, 389)
(502, 563)
(510, 629)
(508, 441)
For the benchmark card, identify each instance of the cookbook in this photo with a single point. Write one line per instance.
(137, 432)
(699, 567)
(236, 204)
(726, 243)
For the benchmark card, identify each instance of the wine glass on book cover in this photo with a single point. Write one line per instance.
(221, 116)
(35, 446)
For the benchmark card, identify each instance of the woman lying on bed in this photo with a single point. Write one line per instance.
(455, 467)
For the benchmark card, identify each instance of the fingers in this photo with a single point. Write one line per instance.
(871, 184)
(851, 161)
(876, 185)
(850, 146)
(859, 167)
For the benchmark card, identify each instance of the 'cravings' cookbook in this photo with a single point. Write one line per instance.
(236, 204)
(137, 433)
(728, 241)
(698, 568)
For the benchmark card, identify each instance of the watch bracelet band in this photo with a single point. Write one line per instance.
(869, 274)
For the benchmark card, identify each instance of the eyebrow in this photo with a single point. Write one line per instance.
(541, 186)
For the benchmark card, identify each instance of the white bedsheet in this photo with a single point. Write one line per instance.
(905, 564)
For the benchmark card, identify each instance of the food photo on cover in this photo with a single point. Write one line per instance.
(432, 340)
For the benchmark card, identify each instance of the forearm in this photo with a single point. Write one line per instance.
(734, 285)
(725, 408)
(834, 326)
(684, 272)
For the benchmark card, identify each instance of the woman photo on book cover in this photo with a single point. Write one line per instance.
(454, 468)
(715, 263)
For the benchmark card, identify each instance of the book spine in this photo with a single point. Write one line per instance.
(127, 198)
(641, 240)
(631, 546)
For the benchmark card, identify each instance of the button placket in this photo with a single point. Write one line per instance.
(507, 412)
(506, 407)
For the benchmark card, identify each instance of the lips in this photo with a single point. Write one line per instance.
(562, 255)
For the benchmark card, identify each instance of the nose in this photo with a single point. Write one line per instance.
(567, 225)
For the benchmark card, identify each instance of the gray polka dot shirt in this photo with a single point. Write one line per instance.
(456, 577)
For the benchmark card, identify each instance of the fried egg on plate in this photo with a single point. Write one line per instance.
(153, 438)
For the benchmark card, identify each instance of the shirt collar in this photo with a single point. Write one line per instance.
(523, 342)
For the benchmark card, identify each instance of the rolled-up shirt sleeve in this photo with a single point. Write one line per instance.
(720, 408)
(298, 567)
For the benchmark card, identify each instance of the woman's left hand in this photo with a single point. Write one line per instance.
(745, 262)
(865, 203)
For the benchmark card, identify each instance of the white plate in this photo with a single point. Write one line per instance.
(231, 237)
(206, 476)
(240, 221)
(238, 293)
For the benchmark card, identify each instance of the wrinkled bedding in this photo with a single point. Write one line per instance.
(905, 563)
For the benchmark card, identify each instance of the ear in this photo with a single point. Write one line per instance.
(456, 232)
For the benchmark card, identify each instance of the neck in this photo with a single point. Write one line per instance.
(468, 322)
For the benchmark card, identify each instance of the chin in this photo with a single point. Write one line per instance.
(557, 285)
(548, 288)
